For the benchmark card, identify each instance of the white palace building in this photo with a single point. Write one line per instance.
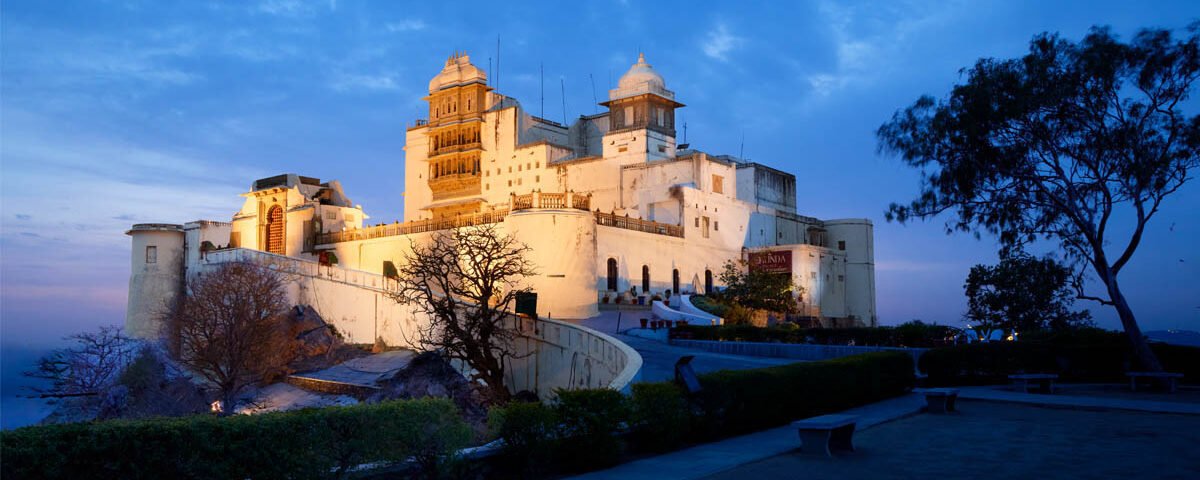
(608, 204)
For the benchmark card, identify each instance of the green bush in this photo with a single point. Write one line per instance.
(590, 421)
(660, 416)
(310, 443)
(1075, 357)
(912, 334)
(530, 435)
(740, 401)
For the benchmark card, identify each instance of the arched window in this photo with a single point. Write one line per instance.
(274, 240)
(612, 274)
(645, 278)
(708, 289)
(675, 281)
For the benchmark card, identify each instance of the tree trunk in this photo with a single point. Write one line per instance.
(1141, 349)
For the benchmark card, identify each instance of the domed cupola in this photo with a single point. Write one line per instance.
(458, 71)
(640, 79)
(641, 100)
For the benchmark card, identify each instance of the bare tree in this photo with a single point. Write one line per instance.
(84, 369)
(466, 280)
(229, 327)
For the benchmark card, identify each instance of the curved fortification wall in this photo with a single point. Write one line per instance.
(156, 275)
(562, 245)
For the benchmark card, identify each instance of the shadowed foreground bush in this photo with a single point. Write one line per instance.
(1092, 358)
(309, 443)
(911, 334)
(658, 416)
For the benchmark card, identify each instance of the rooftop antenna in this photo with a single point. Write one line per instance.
(497, 61)
(490, 78)
(542, 93)
(562, 84)
(595, 103)
(742, 148)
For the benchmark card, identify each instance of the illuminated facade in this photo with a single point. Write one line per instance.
(608, 204)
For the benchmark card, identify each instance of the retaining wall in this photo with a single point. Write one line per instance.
(796, 351)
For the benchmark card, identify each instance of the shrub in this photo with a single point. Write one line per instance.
(310, 443)
(1075, 357)
(590, 422)
(530, 434)
(739, 401)
(907, 335)
(660, 416)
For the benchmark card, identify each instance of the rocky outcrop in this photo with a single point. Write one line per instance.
(430, 375)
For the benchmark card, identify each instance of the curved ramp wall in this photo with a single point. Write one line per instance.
(686, 306)
(667, 313)
(551, 354)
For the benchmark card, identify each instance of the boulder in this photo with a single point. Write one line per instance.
(313, 336)
(427, 375)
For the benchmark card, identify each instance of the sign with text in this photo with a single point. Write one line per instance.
(771, 262)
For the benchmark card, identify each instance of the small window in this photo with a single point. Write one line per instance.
(151, 254)
(518, 168)
(510, 183)
(537, 178)
(841, 244)
(718, 184)
(527, 166)
(716, 225)
(662, 149)
(350, 217)
(519, 181)
(697, 222)
(813, 275)
(841, 278)
(510, 169)
(330, 215)
(487, 186)
(537, 164)
(622, 149)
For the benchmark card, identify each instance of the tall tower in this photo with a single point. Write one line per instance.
(457, 100)
(156, 276)
(641, 116)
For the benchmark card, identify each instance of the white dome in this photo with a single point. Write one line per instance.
(458, 70)
(641, 73)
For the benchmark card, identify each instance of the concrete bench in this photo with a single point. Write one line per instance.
(940, 400)
(827, 433)
(1044, 381)
(1171, 378)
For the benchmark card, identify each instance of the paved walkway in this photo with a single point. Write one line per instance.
(658, 358)
(711, 458)
(363, 370)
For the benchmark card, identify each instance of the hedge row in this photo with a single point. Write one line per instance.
(1091, 361)
(912, 334)
(309, 443)
(580, 432)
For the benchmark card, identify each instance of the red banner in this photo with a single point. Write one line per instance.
(771, 262)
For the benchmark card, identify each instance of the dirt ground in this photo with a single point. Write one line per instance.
(999, 440)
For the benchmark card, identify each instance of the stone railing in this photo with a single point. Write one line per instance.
(415, 226)
(540, 199)
(648, 226)
(553, 354)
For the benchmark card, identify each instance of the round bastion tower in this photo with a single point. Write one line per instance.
(156, 276)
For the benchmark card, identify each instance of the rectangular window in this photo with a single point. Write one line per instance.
(697, 222)
(151, 254)
(841, 244)
(537, 178)
(349, 217)
(716, 225)
(628, 116)
(841, 278)
(704, 232)
(662, 122)
(622, 149)
(330, 215)
(662, 149)
(510, 183)
(813, 275)
(718, 184)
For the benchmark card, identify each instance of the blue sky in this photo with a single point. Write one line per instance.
(118, 112)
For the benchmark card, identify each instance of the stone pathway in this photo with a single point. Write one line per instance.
(1150, 404)
(711, 458)
(658, 357)
(363, 371)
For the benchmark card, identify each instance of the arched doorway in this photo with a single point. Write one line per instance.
(274, 241)
(708, 282)
(645, 278)
(612, 274)
(675, 281)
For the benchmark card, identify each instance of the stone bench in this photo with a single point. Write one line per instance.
(1171, 378)
(1044, 381)
(827, 433)
(940, 400)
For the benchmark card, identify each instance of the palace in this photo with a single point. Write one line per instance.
(609, 205)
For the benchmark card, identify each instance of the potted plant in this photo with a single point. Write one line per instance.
(604, 299)
(644, 322)
(617, 299)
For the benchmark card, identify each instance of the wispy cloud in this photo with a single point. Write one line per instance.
(406, 25)
(357, 82)
(720, 42)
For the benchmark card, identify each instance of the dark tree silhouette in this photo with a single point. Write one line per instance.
(1022, 293)
(765, 291)
(87, 367)
(1057, 143)
(466, 281)
(230, 327)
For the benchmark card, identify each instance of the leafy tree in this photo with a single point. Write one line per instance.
(230, 327)
(466, 280)
(766, 291)
(1022, 293)
(1055, 145)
